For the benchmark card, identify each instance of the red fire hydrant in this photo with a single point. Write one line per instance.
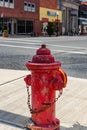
(46, 77)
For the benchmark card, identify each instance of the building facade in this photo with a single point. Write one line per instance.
(70, 10)
(83, 18)
(50, 13)
(20, 16)
(32, 16)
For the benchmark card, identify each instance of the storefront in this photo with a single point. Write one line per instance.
(50, 15)
(83, 18)
(22, 19)
(70, 17)
(82, 25)
(17, 26)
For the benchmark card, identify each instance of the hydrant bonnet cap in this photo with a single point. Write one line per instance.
(43, 50)
(43, 55)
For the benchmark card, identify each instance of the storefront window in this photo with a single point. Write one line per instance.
(24, 27)
(21, 26)
(29, 27)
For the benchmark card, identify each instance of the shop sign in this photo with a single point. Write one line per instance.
(74, 12)
(45, 19)
(50, 13)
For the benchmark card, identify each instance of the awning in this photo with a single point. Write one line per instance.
(45, 19)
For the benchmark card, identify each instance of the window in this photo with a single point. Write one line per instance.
(29, 27)
(6, 3)
(25, 6)
(11, 1)
(21, 26)
(29, 7)
(33, 7)
(1, 3)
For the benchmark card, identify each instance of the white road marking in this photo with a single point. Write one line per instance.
(13, 46)
(22, 42)
(32, 43)
(43, 39)
(36, 41)
(64, 51)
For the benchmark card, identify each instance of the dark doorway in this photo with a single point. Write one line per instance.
(9, 31)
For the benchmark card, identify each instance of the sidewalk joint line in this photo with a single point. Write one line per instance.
(11, 81)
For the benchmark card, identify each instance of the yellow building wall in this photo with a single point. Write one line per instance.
(43, 14)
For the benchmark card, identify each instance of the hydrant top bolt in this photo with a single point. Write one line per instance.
(43, 45)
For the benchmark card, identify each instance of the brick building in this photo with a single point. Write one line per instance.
(20, 16)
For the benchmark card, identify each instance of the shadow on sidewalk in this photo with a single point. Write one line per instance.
(13, 119)
(77, 126)
(20, 121)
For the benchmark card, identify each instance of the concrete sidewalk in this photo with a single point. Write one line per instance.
(71, 108)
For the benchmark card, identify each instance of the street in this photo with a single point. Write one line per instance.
(70, 50)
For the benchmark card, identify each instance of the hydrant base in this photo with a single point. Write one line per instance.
(53, 126)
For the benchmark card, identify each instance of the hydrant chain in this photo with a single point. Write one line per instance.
(28, 102)
(46, 104)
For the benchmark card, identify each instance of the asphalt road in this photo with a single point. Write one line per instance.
(70, 50)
